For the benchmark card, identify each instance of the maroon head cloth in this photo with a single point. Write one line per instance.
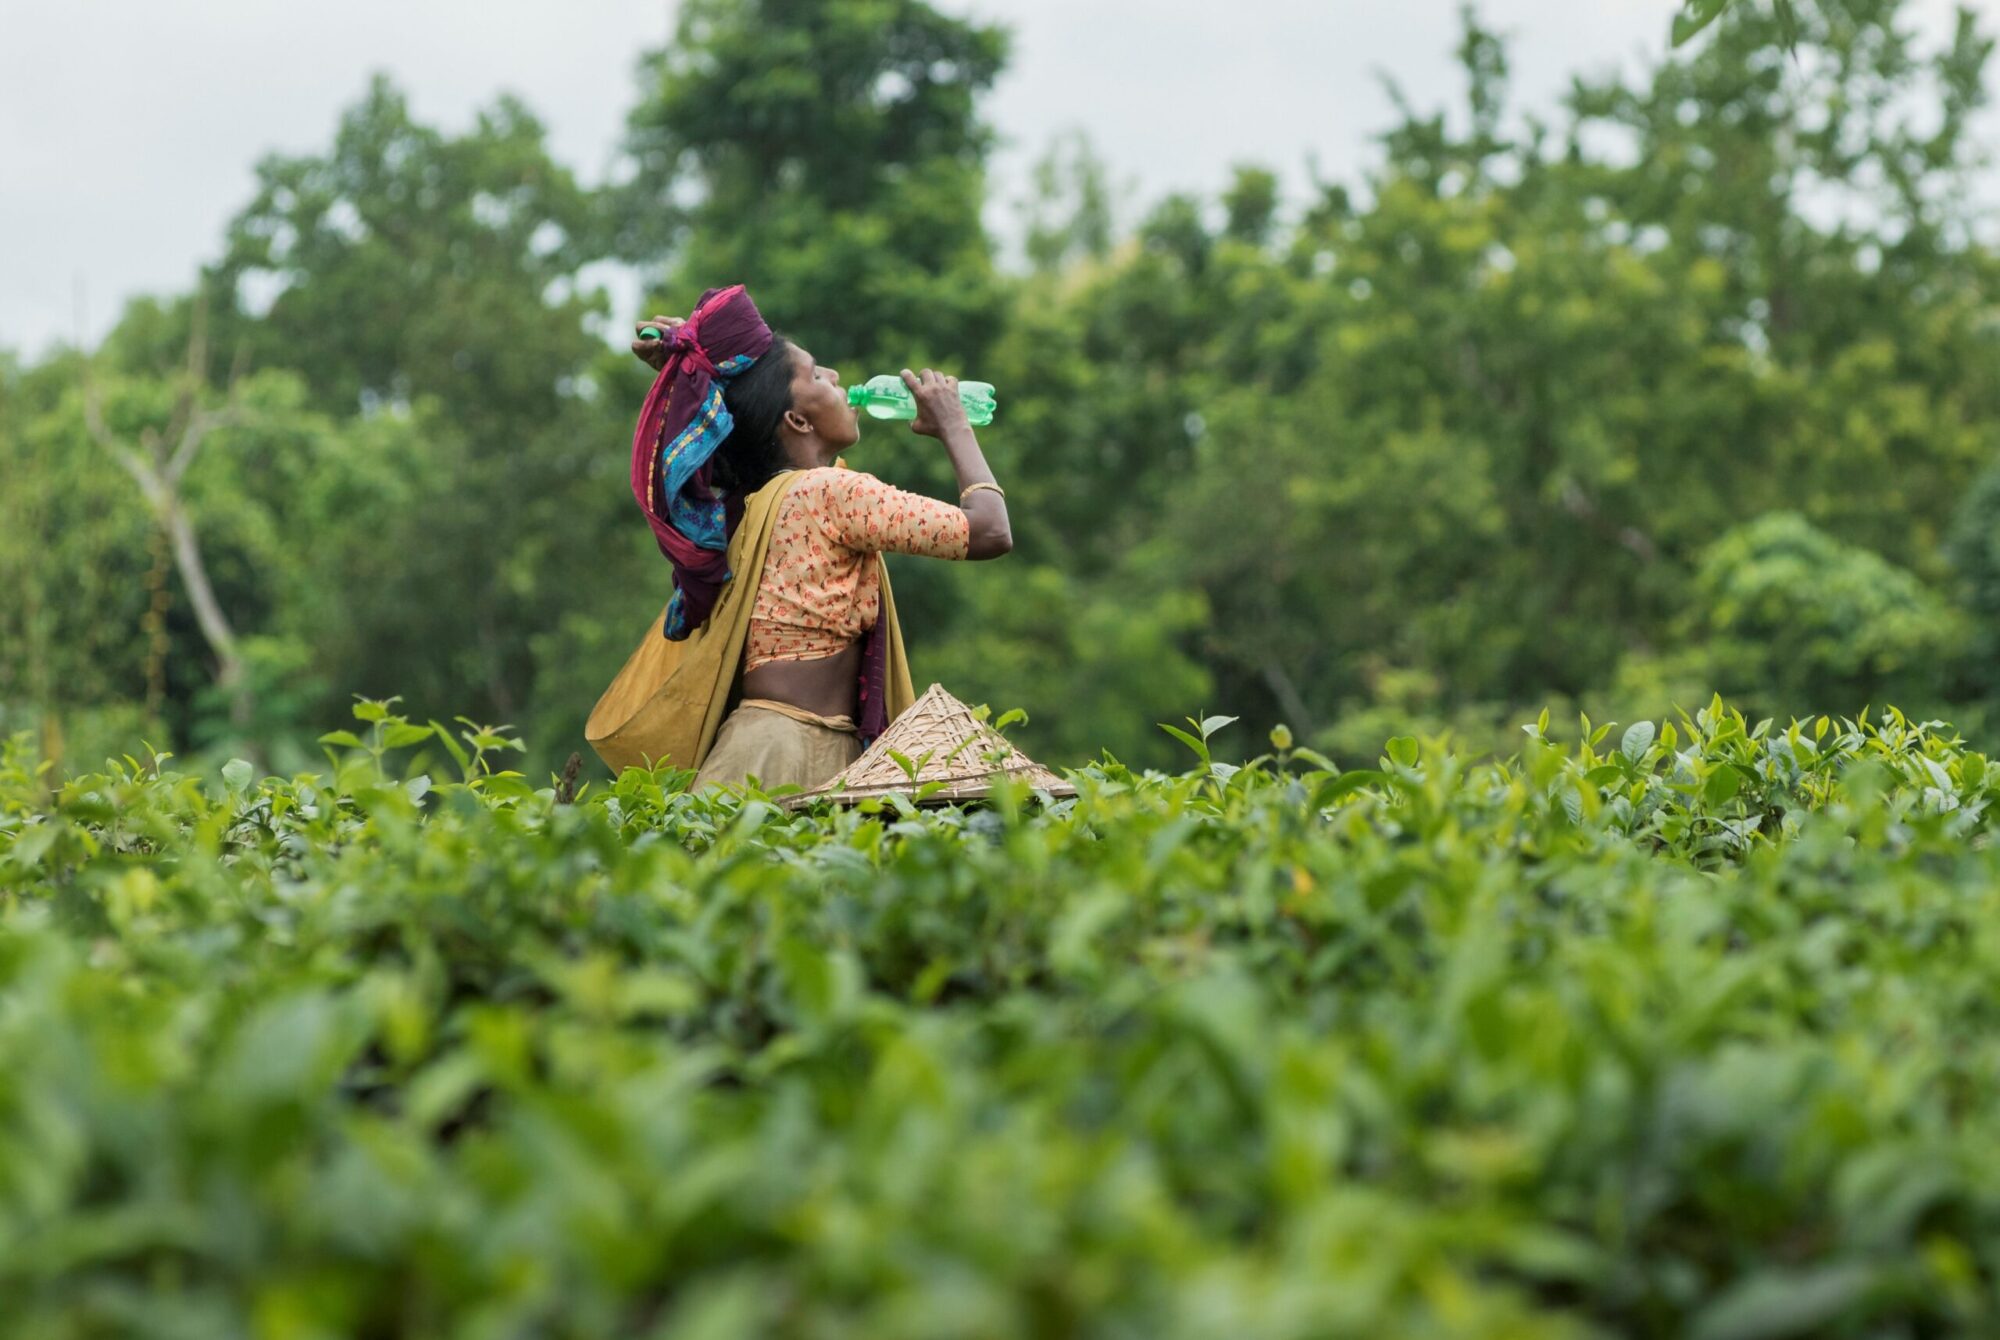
(681, 424)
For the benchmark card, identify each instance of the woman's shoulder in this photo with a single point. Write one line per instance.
(835, 481)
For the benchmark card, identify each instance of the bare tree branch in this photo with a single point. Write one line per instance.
(128, 460)
(199, 423)
(159, 477)
(184, 452)
(198, 428)
(1581, 505)
(197, 361)
(1288, 696)
(181, 424)
(215, 625)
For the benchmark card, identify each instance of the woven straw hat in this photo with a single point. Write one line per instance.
(948, 745)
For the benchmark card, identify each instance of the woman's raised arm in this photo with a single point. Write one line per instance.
(940, 414)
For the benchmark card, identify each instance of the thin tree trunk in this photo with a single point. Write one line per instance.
(214, 624)
(1289, 699)
(159, 594)
(157, 465)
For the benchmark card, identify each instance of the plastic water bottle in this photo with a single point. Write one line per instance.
(885, 397)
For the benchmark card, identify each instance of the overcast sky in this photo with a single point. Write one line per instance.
(129, 128)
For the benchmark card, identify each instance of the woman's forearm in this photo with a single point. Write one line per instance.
(990, 532)
(967, 459)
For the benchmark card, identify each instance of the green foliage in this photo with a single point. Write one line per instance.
(1781, 604)
(1069, 212)
(1483, 426)
(1251, 203)
(1974, 552)
(426, 287)
(1387, 456)
(1079, 641)
(74, 549)
(834, 156)
(1674, 1030)
(1695, 15)
(458, 242)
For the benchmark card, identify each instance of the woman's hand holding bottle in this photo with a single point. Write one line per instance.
(940, 413)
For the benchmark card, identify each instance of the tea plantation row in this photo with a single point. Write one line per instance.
(1675, 1032)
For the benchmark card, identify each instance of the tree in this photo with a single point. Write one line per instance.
(216, 603)
(1973, 548)
(405, 263)
(158, 461)
(1069, 213)
(435, 278)
(1454, 439)
(1475, 427)
(830, 154)
(1797, 622)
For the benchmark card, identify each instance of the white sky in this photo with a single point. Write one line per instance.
(129, 128)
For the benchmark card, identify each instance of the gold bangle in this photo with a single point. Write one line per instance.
(971, 489)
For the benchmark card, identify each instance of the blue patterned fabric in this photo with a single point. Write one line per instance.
(701, 519)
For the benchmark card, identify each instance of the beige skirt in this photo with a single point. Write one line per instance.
(777, 743)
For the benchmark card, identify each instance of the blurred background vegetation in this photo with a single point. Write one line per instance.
(1691, 385)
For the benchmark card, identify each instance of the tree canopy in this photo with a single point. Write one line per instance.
(1689, 379)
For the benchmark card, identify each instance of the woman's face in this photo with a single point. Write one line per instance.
(818, 397)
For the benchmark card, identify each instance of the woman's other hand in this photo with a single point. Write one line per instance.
(653, 353)
(939, 410)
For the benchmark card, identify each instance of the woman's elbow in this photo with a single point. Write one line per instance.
(990, 543)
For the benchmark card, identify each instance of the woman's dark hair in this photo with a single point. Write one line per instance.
(757, 399)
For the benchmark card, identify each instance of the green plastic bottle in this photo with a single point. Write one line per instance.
(885, 397)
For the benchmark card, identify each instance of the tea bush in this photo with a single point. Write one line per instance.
(1686, 1030)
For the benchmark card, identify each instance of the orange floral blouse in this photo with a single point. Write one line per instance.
(822, 585)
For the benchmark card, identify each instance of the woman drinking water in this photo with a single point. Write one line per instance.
(779, 656)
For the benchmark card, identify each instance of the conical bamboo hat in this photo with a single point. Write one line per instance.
(948, 745)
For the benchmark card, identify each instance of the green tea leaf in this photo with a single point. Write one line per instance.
(31, 845)
(452, 747)
(1347, 783)
(1200, 746)
(1638, 738)
(402, 734)
(1774, 1304)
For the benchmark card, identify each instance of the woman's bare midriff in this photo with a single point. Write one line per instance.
(826, 686)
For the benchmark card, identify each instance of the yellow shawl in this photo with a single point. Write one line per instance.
(669, 700)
